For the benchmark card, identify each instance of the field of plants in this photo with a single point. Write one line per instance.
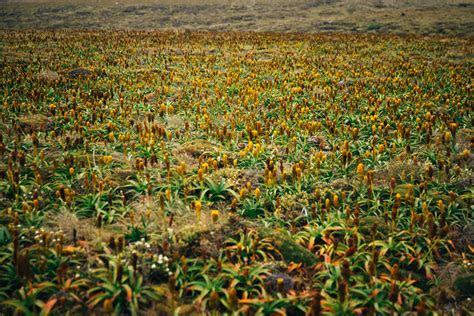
(158, 173)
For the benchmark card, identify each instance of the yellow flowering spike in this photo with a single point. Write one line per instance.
(441, 205)
(214, 216)
(181, 169)
(335, 200)
(280, 284)
(397, 199)
(465, 154)
(424, 208)
(360, 170)
(198, 208)
(200, 175)
(327, 204)
(447, 137)
(257, 193)
(224, 160)
(242, 193)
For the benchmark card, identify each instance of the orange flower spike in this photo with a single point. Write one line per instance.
(360, 170)
(200, 175)
(108, 306)
(335, 200)
(393, 184)
(397, 200)
(465, 154)
(52, 108)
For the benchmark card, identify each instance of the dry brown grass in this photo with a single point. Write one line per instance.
(452, 17)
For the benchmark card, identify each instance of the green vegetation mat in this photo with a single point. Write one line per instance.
(239, 173)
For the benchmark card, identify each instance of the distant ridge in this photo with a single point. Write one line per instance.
(451, 17)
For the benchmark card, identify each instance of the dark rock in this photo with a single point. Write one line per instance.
(48, 75)
(366, 224)
(149, 98)
(320, 142)
(462, 237)
(272, 282)
(289, 249)
(80, 73)
(464, 284)
(36, 122)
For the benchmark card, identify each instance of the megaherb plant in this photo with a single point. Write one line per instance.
(235, 173)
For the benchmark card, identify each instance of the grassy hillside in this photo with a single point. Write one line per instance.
(454, 17)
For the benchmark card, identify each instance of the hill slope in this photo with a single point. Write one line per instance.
(455, 17)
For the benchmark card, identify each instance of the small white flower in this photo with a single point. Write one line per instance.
(170, 273)
(77, 275)
(153, 266)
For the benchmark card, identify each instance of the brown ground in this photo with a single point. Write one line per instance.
(449, 17)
